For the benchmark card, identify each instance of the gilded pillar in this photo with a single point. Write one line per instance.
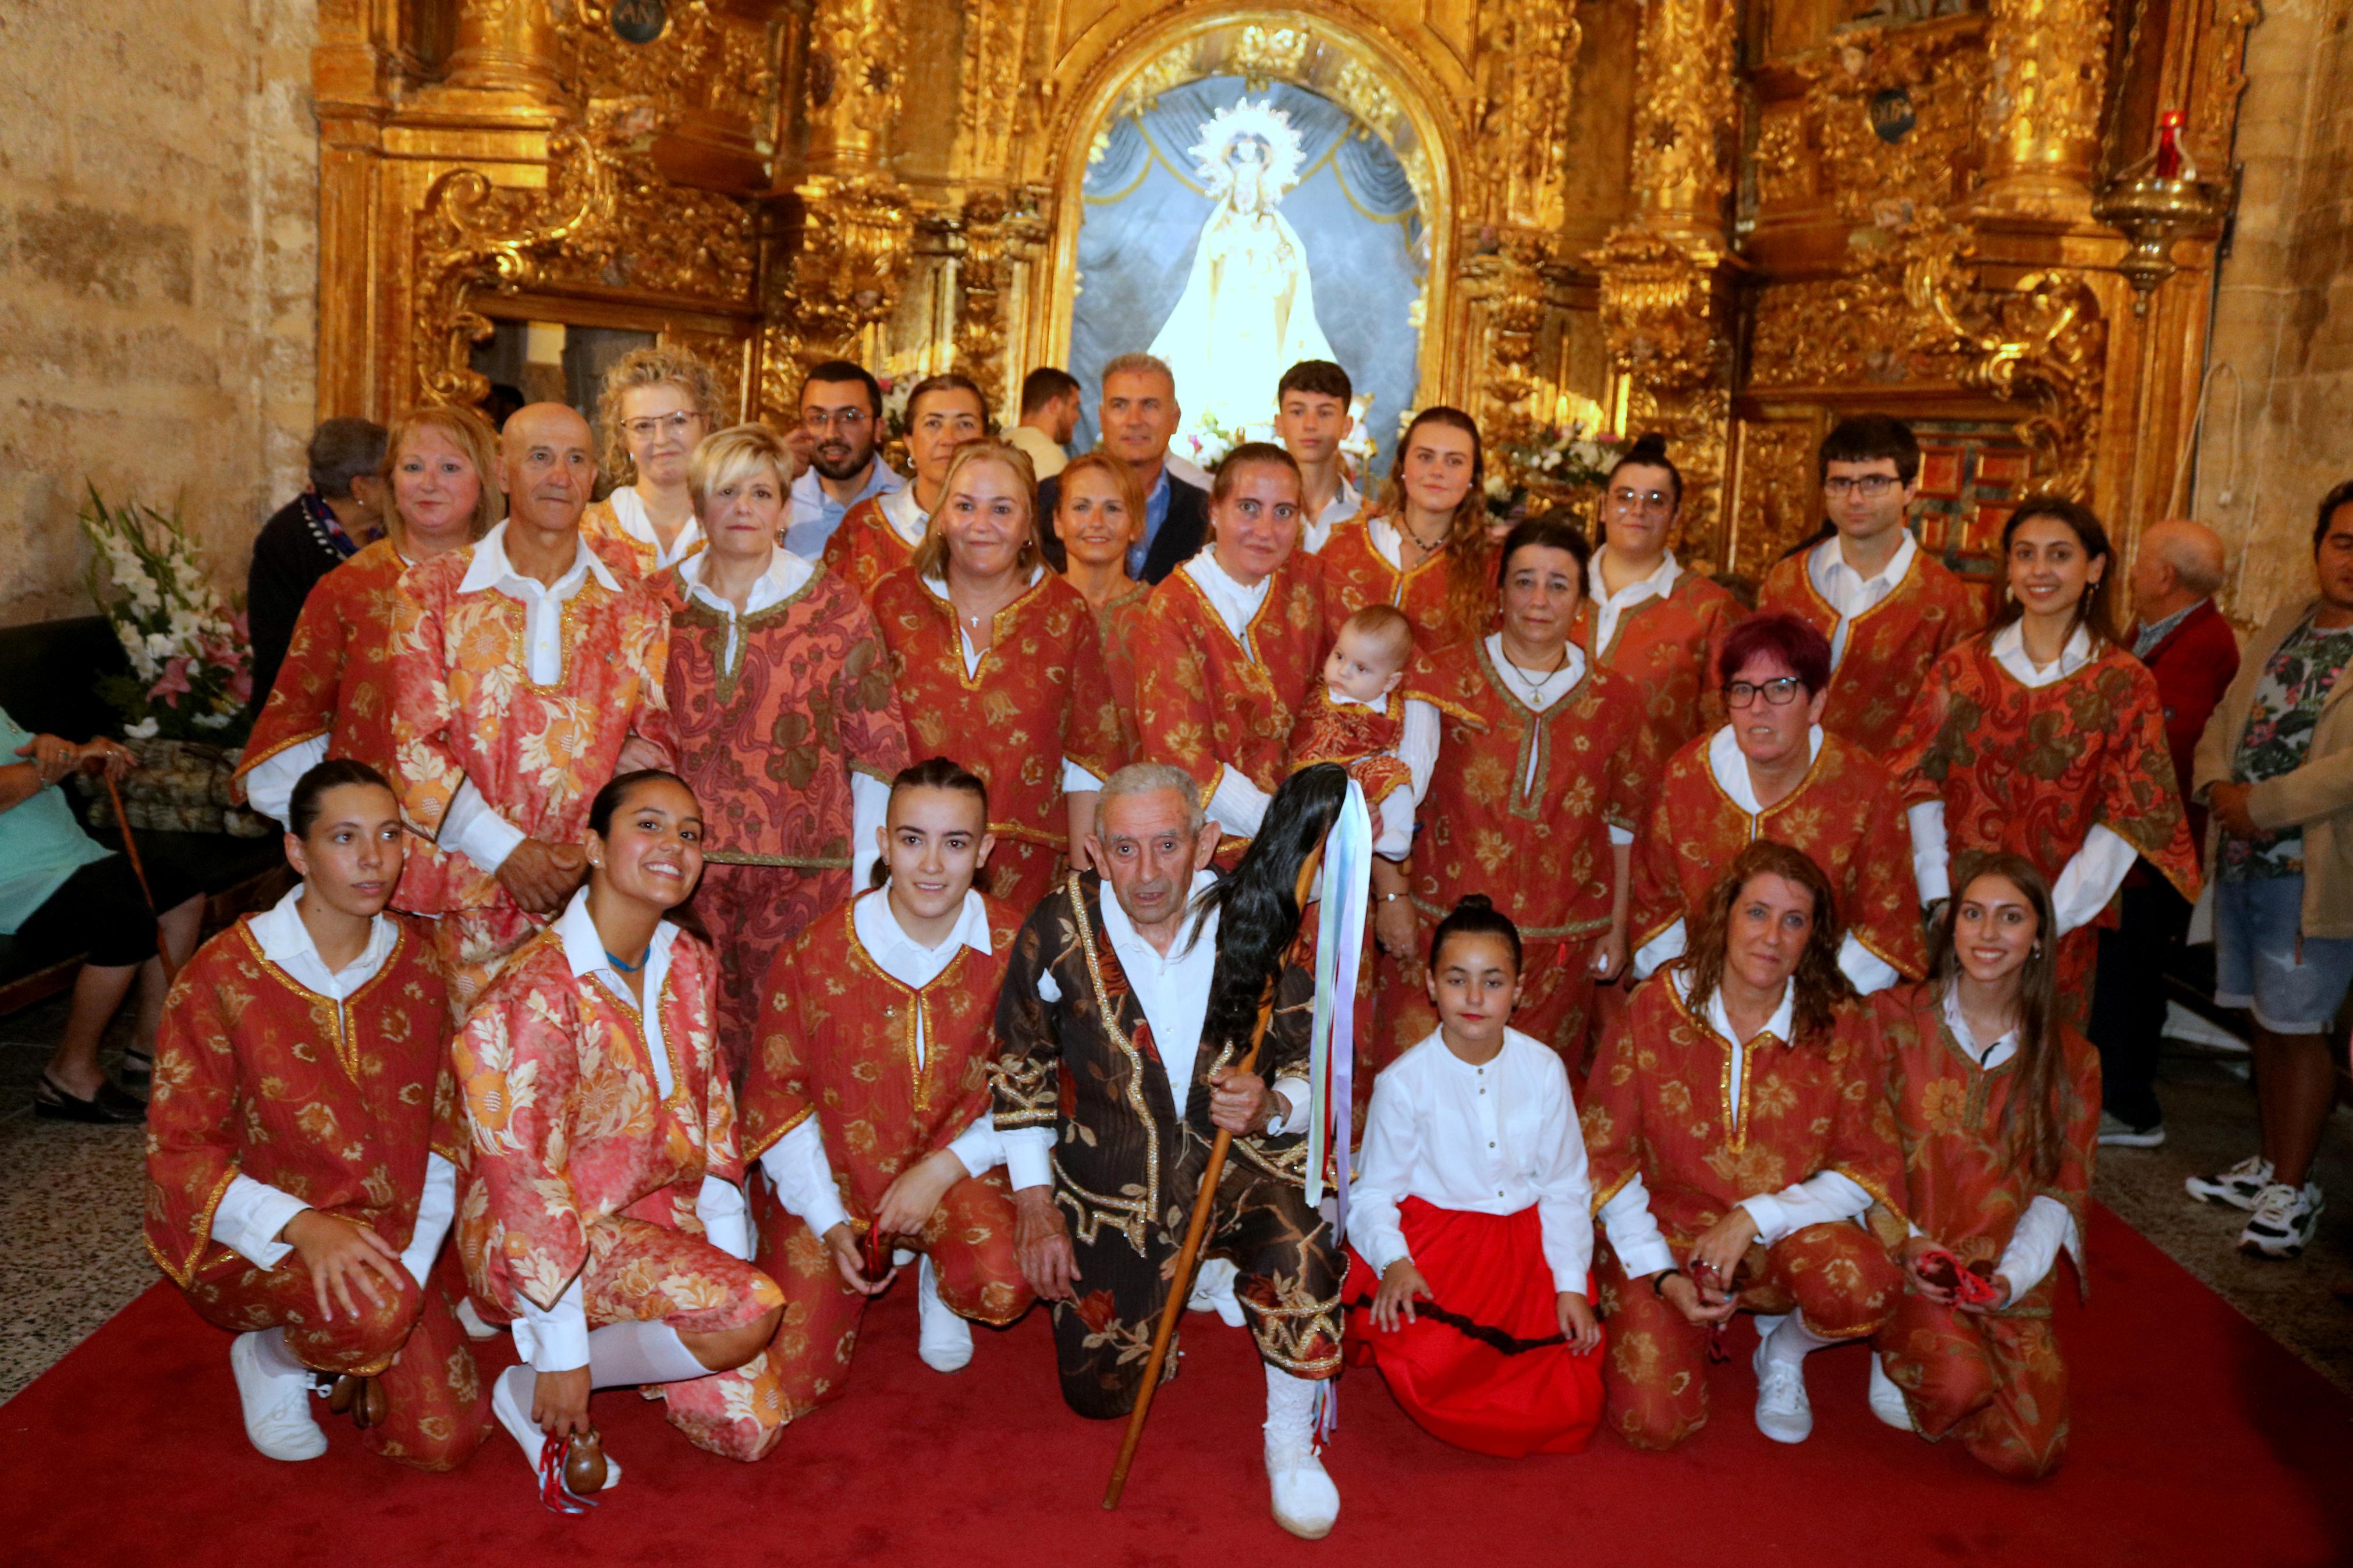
(506, 46)
(2043, 106)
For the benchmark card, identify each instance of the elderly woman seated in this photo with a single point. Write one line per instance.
(62, 893)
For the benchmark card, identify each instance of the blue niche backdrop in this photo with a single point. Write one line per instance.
(1352, 209)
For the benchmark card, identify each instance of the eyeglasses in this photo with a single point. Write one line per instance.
(647, 428)
(1871, 485)
(842, 419)
(1779, 691)
(1626, 499)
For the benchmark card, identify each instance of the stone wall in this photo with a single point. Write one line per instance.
(2284, 320)
(158, 274)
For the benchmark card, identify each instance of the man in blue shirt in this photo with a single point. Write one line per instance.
(841, 425)
(1138, 414)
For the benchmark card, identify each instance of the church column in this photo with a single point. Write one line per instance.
(506, 46)
(1665, 307)
(2043, 103)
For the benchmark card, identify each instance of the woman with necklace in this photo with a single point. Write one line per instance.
(2042, 736)
(1645, 616)
(602, 1210)
(998, 664)
(1772, 772)
(1424, 549)
(657, 405)
(1535, 805)
(774, 658)
(1098, 513)
(1997, 1103)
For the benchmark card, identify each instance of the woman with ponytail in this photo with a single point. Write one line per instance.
(1997, 1103)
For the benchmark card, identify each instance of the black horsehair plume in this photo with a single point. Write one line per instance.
(1258, 904)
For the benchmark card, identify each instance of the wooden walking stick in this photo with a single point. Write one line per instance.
(1180, 1289)
(130, 850)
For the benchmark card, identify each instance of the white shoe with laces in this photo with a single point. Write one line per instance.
(1783, 1412)
(2238, 1186)
(1887, 1400)
(945, 1340)
(277, 1401)
(2282, 1223)
(1306, 1501)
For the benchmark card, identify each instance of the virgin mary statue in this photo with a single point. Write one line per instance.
(1248, 313)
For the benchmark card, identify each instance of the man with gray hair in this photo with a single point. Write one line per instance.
(312, 535)
(1137, 414)
(2191, 651)
(1105, 1000)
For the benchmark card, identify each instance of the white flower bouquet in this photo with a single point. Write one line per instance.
(190, 666)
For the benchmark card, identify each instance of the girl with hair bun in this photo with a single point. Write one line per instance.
(1471, 1233)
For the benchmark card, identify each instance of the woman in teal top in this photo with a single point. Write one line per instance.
(63, 894)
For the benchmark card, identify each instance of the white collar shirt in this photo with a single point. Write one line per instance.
(1780, 1028)
(816, 514)
(583, 950)
(1990, 1057)
(784, 575)
(1172, 987)
(630, 514)
(543, 602)
(1235, 604)
(1608, 608)
(904, 959)
(1730, 768)
(971, 651)
(2008, 650)
(286, 941)
(1345, 504)
(907, 518)
(1848, 591)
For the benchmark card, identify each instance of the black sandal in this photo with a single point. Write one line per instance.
(138, 1064)
(111, 1106)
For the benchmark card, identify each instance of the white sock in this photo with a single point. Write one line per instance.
(270, 1343)
(632, 1353)
(1290, 1407)
(1790, 1341)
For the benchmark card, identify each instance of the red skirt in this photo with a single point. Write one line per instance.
(1482, 1365)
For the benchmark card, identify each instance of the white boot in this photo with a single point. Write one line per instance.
(511, 1397)
(275, 1390)
(1783, 1412)
(477, 1327)
(1306, 1503)
(1213, 1291)
(945, 1340)
(1887, 1400)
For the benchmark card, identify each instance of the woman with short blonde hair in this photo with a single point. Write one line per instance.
(998, 663)
(657, 405)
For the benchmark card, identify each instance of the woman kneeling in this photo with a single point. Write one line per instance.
(1475, 1199)
(1997, 1105)
(604, 1210)
(1716, 1203)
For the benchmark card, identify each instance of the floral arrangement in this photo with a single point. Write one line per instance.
(192, 666)
(896, 390)
(1207, 445)
(1572, 455)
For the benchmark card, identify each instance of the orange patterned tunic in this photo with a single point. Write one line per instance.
(1355, 573)
(624, 551)
(334, 1103)
(1659, 1106)
(1039, 695)
(1119, 622)
(866, 547)
(466, 710)
(1204, 701)
(1669, 647)
(838, 1037)
(1890, 646)
(568, 1125)
(1844, 813)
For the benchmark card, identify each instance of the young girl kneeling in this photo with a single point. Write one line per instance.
(1475, 1201)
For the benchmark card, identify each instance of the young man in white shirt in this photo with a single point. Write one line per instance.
(1311, 415)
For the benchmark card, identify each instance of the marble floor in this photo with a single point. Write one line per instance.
(70, 1254)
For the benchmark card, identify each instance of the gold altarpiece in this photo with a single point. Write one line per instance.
(1729, 222)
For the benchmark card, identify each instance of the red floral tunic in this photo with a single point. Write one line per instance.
(1205, 701)
(839, 1036)
(568, 1124)
(1118, 622)
(1040, 695)
(465, 708)
(1363, 739)
(334, 1103)
(1669, 646)
(1846, 816)
(865, 547)
(1355, 573)
(1659, 1106)
(1889, 647)
(617, 548)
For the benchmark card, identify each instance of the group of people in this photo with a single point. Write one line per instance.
(940, 845)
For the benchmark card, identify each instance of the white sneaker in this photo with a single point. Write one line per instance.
(1783, 1412)
(2116, 1132)
(1213, 1291)
(2282, 1223)
(511, 1403)
(277, 1401)
(2238, 1186)
(1887, 1400)
(1306, 1503)
(478, 1328)
(945, 1340)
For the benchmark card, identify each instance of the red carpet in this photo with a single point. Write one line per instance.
(2197, 1441)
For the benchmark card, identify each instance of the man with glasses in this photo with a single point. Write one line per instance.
(841, 424)
(1889, 610)
(879, 535)
(1772, 772)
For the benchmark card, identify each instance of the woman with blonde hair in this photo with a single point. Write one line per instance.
(998, 664)
(333, 698)
(1425, 548)
(1098, 513)
(788, 731)
(657, 405)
